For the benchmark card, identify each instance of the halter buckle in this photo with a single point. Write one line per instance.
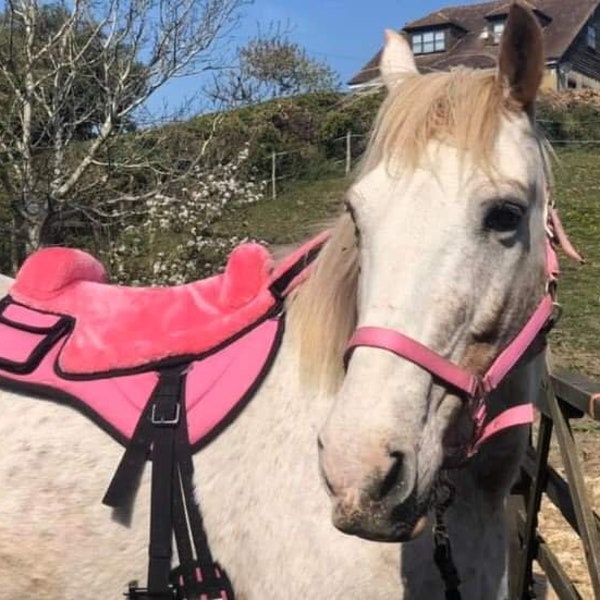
(554, 319)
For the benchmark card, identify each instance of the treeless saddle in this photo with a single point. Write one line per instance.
(163, 370)
(117, 327)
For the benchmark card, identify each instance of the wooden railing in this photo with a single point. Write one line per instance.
(565, 396)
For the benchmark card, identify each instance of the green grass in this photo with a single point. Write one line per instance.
(288, 219)
(576, 341)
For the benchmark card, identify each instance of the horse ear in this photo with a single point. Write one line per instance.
(521, 64)
(397, 59)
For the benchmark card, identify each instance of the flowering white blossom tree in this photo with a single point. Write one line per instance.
(173, 242)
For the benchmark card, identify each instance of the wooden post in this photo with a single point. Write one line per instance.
(274, 175)
(583, 510)
(524, 578)
(348, 152)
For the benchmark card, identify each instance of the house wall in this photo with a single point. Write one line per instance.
(550, 80)
(584, 61)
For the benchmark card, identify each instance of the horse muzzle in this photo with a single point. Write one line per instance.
(381, 506)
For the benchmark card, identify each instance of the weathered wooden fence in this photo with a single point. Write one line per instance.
(566, 396)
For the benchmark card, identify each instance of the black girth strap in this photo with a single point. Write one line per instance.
(163, 429)
(166, 420)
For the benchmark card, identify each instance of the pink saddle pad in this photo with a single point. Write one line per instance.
(71, 337)
(216, 384)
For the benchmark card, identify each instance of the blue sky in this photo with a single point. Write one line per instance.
(344, 33)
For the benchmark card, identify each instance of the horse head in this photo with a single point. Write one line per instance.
(443, 240)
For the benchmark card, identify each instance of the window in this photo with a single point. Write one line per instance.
(591, 37)
(428, 42)
(497, 31)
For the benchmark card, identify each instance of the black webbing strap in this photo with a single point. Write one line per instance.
(280, 285)
(187, 523)
(163, 428)
(166, 419)
(126, 479)
(156, 429)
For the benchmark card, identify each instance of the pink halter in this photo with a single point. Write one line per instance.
(477, 387)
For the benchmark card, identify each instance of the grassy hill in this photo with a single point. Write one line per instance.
(576, 341)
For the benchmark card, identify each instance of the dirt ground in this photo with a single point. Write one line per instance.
(557, 532)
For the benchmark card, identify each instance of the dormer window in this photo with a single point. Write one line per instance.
(497, 29)
(429, 42)
(592, 37)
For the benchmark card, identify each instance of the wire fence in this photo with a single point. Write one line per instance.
(342, 153)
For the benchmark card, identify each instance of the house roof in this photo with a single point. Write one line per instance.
(433, 19)
(563, 20)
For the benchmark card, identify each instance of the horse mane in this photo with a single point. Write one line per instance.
(464, 108)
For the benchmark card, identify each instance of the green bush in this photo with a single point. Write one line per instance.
(569, 122)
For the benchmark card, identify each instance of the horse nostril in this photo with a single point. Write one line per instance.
(393, 476)
(320, 444)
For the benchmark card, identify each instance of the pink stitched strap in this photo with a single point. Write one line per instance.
(552, 265)
(517, 348)
(563, 238)
(403, 346)
(512, 417)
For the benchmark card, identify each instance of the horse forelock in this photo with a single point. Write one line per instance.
(463, 108)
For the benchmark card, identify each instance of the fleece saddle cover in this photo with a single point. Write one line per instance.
(66, 334)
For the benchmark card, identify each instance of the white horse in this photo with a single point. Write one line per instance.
(444, 240)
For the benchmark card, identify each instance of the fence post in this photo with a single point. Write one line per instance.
(274, 175)
(348, 152)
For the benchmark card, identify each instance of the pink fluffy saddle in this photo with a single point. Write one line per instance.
(69, 334)
(118, 327)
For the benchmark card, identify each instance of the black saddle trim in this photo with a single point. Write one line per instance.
(52, 335)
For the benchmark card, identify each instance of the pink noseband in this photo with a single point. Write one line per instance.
(475, 387)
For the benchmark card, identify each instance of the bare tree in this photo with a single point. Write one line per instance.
(72, 84)
(270, 65)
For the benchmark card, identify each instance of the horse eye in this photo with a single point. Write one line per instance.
(505, 217)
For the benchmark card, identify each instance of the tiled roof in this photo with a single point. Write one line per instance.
(563, 20)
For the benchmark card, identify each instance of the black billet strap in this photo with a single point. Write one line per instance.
(281, 284)
(126, 479)
(156, 429)
(187, 523)
(165, 417)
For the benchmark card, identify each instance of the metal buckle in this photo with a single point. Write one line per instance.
(554, 319)
(165, 421)
(557, 314)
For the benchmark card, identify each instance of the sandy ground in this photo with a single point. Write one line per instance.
(557, 532)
